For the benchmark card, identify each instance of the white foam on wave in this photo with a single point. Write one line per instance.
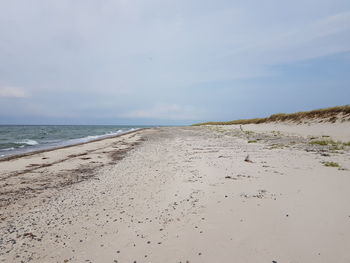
(94, 137)
(28, 142)
(90, 137)
(23, 144)
(8, 149)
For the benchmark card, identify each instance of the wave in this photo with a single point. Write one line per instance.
(27, 142)
(8, 149)
(27, 145)
(10, 146)
(95, 137)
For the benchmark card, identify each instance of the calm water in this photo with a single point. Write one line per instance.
(16, 139)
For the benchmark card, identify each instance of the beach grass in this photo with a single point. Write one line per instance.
(326, 113)
(325, 142)
(331, 164)
(335, 145)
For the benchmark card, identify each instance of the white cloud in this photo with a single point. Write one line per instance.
(13, 92)
(164, 111)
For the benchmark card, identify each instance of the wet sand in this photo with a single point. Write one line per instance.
(179, 194)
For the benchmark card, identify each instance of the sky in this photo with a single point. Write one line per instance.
(170, 62)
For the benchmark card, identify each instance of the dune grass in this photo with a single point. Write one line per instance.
(335, 145)
(331, 164)
(326, 113)
(325, 142)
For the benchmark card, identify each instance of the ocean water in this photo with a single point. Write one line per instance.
(17, 139)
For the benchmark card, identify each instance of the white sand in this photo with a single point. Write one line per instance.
(335, 131)
(185, 195)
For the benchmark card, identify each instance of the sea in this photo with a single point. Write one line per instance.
(19, 139)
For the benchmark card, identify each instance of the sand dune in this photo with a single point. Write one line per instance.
(335, 131)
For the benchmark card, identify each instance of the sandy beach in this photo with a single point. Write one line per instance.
(182, 194)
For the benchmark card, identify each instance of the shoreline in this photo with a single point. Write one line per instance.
(19, 155)
(29, 175)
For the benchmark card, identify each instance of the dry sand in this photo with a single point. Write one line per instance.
(179, 195)
(339, 131)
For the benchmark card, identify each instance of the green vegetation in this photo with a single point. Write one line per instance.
(325, 142)
(337, 147)
(329, 113)
(252, 141)
(334, 145)
(276, 146)
(331, 164)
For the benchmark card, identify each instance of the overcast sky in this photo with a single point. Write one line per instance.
(170, 62)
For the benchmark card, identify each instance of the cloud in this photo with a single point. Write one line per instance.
(84, 58)
(318, 37)
(165, 112)
(13, 92)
